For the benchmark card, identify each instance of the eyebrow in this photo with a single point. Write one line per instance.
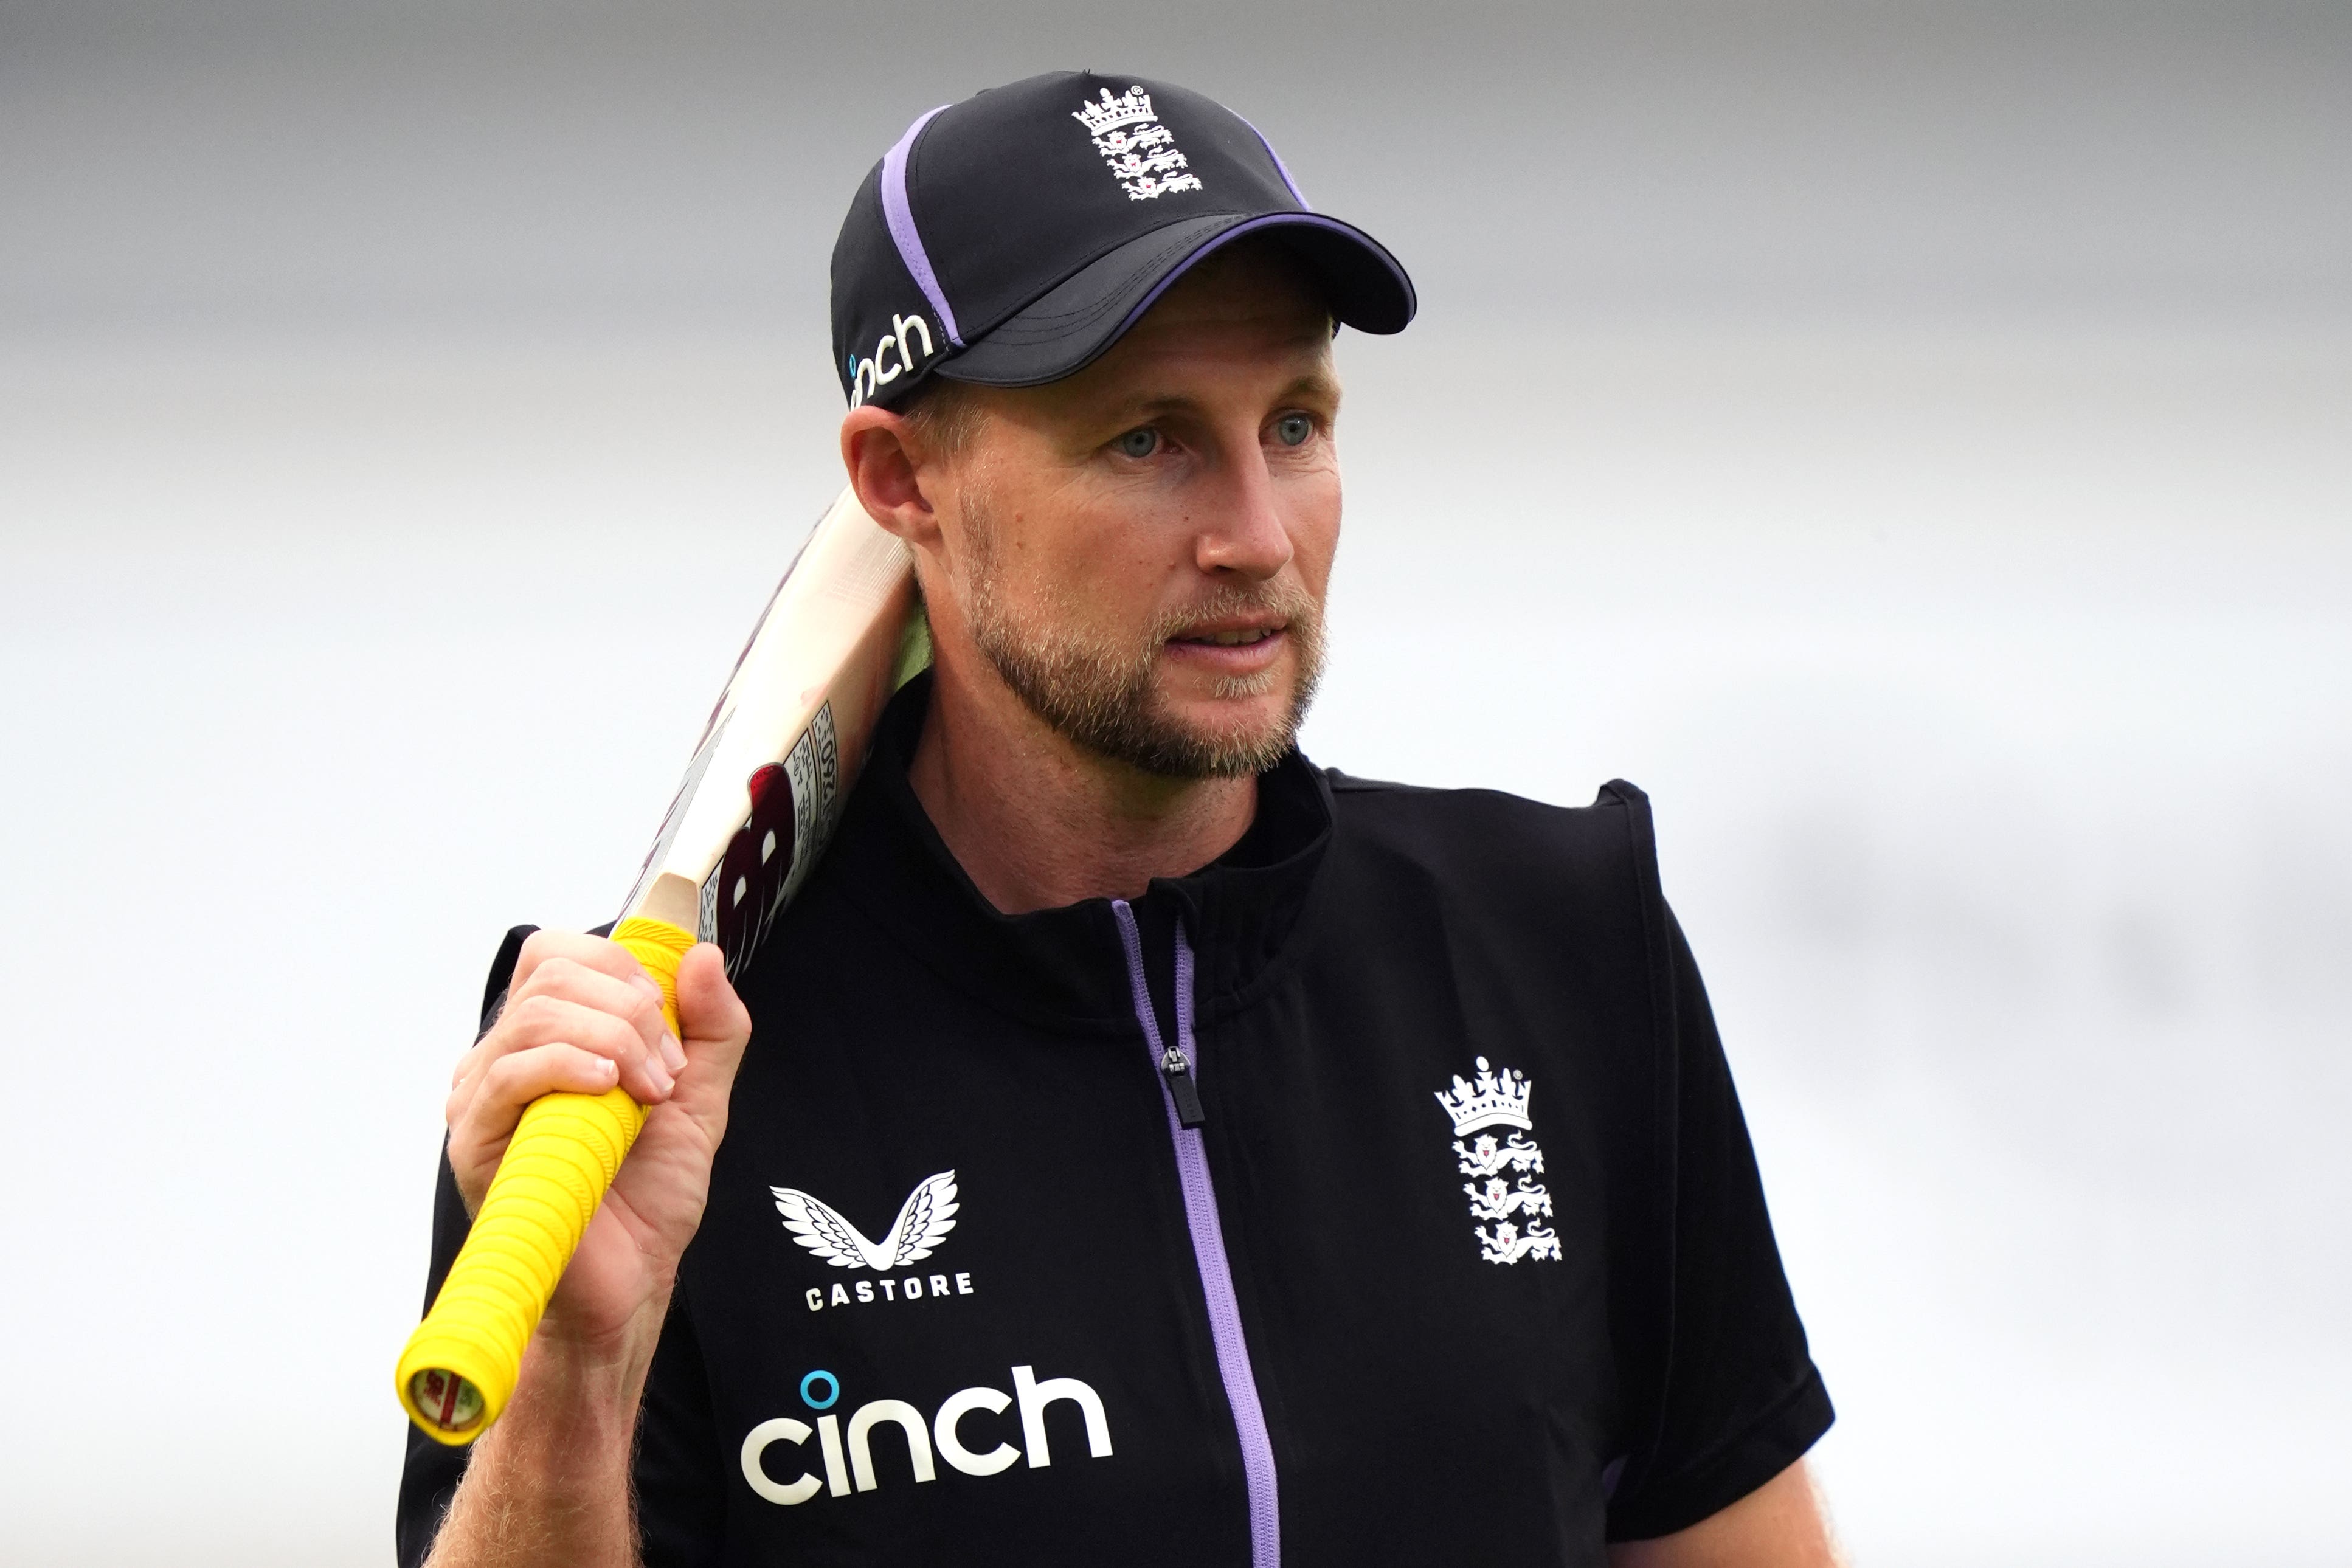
(1320, 384)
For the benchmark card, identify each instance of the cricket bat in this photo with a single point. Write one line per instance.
(760, 800)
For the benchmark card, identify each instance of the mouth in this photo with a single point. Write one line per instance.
(1242, 634)
(1243, 650)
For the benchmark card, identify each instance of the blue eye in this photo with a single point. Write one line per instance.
(1138, 444)
(1293, 429)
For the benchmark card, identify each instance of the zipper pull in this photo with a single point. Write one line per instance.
(1181, 1089)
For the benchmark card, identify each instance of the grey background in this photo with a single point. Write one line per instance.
(1910, 440)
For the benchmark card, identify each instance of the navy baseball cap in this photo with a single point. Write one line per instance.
(1011, 238)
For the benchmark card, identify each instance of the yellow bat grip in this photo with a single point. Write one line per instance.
(461, 1364)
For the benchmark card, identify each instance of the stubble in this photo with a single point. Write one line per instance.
(1094, 687)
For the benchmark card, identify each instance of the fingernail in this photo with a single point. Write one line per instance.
(662, 1082)
(646, 981)
(606, 1067)
(672, 1053)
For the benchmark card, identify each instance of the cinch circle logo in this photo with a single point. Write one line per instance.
(847, 1454)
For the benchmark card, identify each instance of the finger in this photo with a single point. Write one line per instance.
(478, 1132)
(633, 996)
(594, 952)
(549, 1020)
(559, 971)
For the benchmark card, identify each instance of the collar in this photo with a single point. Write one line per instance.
(1064, 967)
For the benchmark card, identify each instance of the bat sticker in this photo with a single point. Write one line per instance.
(793, 807)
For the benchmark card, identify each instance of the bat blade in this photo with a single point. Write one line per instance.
(787, 738)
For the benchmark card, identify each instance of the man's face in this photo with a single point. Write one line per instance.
(1141, 551)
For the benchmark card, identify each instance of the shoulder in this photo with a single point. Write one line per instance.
(1493, 834)
(1516, 871)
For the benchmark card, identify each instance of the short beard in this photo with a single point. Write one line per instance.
(1095, 689)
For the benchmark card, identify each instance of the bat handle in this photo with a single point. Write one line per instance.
(461, 1364)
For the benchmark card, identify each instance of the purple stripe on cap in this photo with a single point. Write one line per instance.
(901, 219)
(1280, 167)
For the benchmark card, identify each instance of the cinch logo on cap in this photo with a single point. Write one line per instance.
(892, 357)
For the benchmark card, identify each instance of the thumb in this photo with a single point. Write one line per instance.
(710, 1017)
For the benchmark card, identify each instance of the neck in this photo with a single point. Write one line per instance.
(1036, 822)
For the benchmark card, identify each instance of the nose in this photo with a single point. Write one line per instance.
(1245, 534)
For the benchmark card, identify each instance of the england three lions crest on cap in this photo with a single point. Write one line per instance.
(1138, 149)
(1508, 1205)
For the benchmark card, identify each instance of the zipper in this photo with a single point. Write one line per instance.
(1178, 1063)
(1181, 1091)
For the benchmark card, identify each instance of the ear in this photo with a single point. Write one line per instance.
(884, 464)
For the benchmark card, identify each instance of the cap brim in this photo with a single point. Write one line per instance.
(1068, 327)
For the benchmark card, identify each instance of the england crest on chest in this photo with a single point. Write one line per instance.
(1510, 1208)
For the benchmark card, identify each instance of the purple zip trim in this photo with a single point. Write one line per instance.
(1208, 1243)
(901, 219)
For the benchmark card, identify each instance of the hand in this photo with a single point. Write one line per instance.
(581, 1015)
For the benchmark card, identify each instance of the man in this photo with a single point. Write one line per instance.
(1285, 1168)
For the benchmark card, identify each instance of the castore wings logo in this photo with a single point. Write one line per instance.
(924, 1221)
